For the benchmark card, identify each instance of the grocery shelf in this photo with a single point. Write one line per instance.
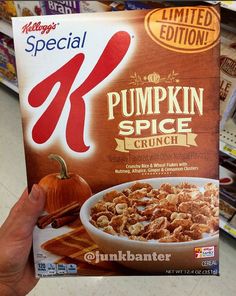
(228, 149)
(9, 84)
(231, 5)
(6, 28)
(212, 2)
(224, 225)
(229, 27)
(228, 138)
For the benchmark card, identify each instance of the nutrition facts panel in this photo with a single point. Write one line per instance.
(51, 269)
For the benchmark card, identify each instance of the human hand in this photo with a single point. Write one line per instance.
(17, 276)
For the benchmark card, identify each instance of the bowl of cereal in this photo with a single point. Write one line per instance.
(156, 224)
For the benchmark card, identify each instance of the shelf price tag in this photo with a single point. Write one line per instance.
(230, 230)
(230, 150)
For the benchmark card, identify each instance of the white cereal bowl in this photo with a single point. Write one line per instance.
(181, 254)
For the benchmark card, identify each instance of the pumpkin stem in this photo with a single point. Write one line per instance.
(63, 173)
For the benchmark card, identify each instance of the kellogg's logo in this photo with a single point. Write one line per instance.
(37, 26)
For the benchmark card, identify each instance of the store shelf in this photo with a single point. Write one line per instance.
(224, 225)
(9, 84)
(228, 138)
(229, 27)
(231, 5)
(212, 2)
(6, 28)
(228, 149)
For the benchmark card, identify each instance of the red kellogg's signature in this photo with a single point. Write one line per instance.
(112, 55)
(37, 26)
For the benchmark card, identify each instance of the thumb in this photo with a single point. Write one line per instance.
(23, 216)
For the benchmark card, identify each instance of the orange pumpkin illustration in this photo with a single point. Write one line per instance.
(63, 188)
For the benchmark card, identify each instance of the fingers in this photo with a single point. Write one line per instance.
(23, 216)
(16, 241)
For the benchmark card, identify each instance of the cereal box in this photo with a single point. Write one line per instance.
(227, 77)
(7, 59)
(120, 118)
(227, 186)
(61, 7)
(29, 8)
(7, 10)
(96, 6)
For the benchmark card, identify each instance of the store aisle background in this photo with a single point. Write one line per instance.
(13, 182)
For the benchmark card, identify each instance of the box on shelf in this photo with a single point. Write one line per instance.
(100, 6)
(234, 115)
(62, 7)
(7, 59)
(227, 77)
(95, 6)
(29, 8)
(136, 5)
(233, 221)
(7, 10)
(226, 210)
(227, 186)
(113, 99)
